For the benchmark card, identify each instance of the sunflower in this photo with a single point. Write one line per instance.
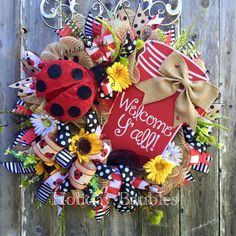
(158, 169)
(47, 168)
(118, 75)
(83, 145)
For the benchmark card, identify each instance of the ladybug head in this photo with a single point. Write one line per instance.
(99, 72)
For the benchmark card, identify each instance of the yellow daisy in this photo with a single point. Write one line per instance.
(158, 169)
(47, 168)
(83, 145)
(118, 75)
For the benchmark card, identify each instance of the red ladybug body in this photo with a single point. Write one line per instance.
(68, 88)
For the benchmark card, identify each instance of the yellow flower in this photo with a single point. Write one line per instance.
(47, 168)
(83, 145)
(158, 169)
(118, 75)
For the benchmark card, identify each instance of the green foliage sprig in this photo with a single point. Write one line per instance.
(203, 134)
(28, 159)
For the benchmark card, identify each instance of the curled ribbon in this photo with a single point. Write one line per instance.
(174, 78)
(123, 185)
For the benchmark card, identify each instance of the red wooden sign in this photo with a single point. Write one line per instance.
(148, 129)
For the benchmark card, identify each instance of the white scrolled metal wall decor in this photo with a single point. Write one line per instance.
(151, 8)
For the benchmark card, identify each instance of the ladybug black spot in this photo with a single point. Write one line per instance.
(142, 21)
(139, 14)
(57, 110)
(84, 92)
(74, 111)
(54, 71)
(125, 18)
(135, 25)
(77, 74)
(138, 32)
(41, 86)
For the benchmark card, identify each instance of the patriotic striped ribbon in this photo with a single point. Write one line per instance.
(21, 108)
(144, 185)
(171, 35)
(92, 26)
(152, 60)
(25, 137)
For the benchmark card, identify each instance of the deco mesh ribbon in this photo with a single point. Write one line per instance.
(69, 95)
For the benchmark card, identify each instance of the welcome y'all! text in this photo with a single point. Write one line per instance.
(135, 112)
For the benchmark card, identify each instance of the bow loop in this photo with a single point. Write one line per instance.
(175, 78)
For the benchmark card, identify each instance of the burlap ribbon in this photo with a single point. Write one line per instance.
(174, 77)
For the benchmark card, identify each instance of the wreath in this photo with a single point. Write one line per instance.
(116, 110)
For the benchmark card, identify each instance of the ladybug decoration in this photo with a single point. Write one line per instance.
(68, 88)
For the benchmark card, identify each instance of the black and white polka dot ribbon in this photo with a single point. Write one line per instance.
(64, 135)
(123, 187)
(119, 186)
(105, 171)
(91, 121)
(88, 194)
(128, 47)
(108, 96)
(65, 186)
(189, 136)
(127, 200)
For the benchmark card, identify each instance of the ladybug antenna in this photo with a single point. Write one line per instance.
(99, 72)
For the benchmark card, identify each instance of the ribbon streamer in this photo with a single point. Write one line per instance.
(49, 185)
(123, 187)
(64, 158)
(189, 136)
(17, 167)
(174, 73)
(21, 108)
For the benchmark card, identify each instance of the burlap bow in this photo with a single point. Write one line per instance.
(174, 77)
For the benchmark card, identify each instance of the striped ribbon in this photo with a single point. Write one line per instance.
(17, 167)
(92, 26)
(25, 137)
(21, 108)
(64, 158)
(49, 185)
(203, 166)
(122, 181)
(171, 35)
(188, 49)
